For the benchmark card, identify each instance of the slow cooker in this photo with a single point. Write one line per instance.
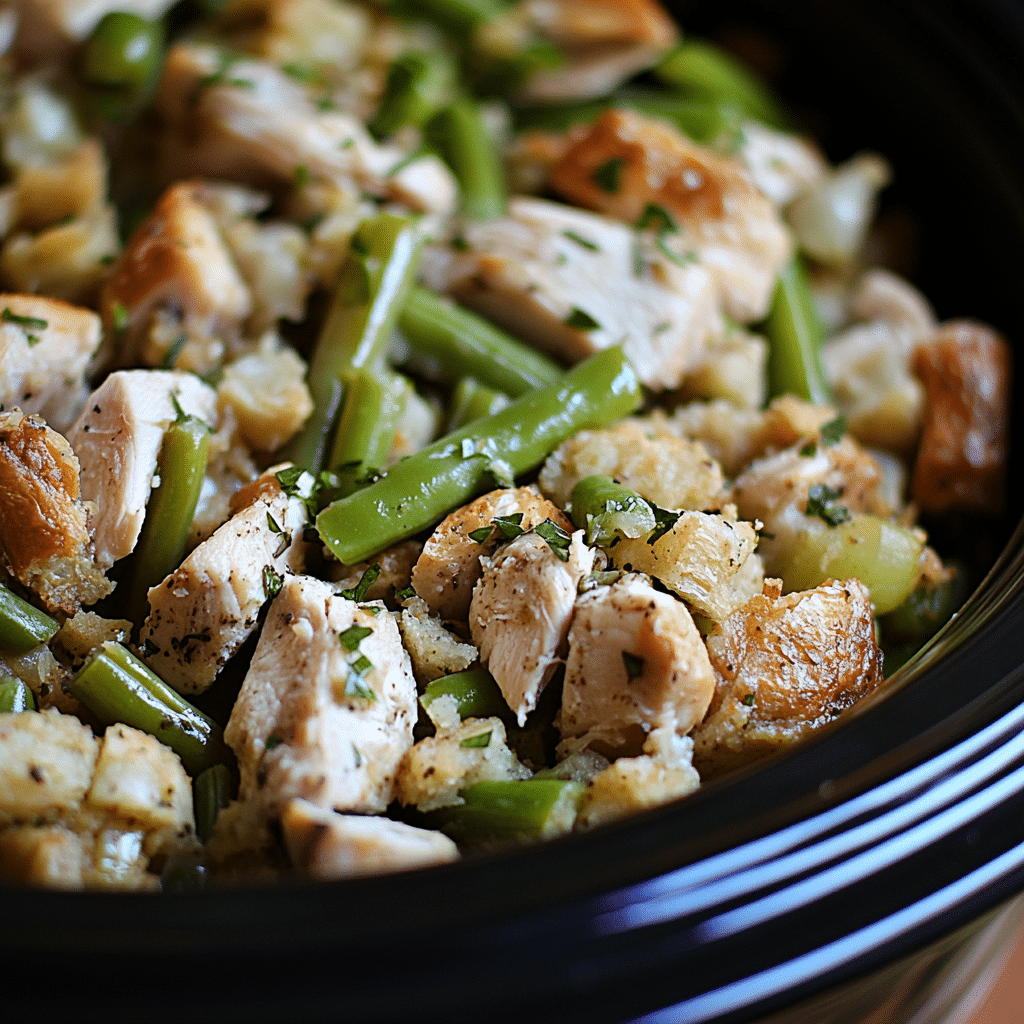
(869, 876)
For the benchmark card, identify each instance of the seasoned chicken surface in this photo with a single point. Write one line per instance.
(785, 666)
(636, 663)
(203, 612)
(327, 707)
(117, 440)
(520, 613)
(45, 348)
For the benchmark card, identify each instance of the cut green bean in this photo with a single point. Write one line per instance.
(374, 403)
(455, 15)
(22, 625)
(710, 71)
(165, 531)
(372, 287)
(466, 345)
(420, 490)
(794, 340)
(418, 85)
(212, 790)
(924, 612)
(460, 135)
(608, 511)
(475, 692)
(508, 811)
(15, 696)
(472, 401)
(116, 687)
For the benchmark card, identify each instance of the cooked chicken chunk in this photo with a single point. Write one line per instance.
(204, 611)
(961, 462)
(45, 347)
(74, 186)
(117, 440)
(775, 490)
(575, 283)
(434, 770)
(327, 707)
(44, 527)
(636, 663)
(176, 258)
(604, 43)
(784, 667)
(449, 565)
(782, 165)
(718, 215)
(671, 472)
(323, 844)
(521, 610)
(708, 559)
(246, 120)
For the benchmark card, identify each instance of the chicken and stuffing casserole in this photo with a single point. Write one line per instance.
(428, 425)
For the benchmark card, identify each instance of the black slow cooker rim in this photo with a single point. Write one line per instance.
(642, 914)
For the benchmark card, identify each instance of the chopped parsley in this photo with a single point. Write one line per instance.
(29, 324)
(355, 687)
(665, 520)
(459, 244)
(356, 756)
(405, 594)
(481, 739)
(273, 740)
(608, 176)
(657, 218)
(821, 502)
(482, 534)
(288, 478)
(832, 432)
(352, 637)
(272, 524)
(634, 664)
(809, 449)
(557, 539)
(580, 240)
(367, 580)
(581, 320)
(119, 316)
(301, 176)
(361, 666)
(272, 581)
(173, 351)
(749, 700)
(509, 527)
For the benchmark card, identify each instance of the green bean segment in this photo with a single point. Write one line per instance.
(213, 789)
(609, 511)
(474, 691)
(418, 85)
(472, 401)
(121, 62)
(366, 429)
(460, 135)
(116, 687)
(172, 505)
(22, 625)
(466, 345)
(15, 696)
(881, 554)
(795, 336)
(371, 289)
(425, 487)
(707, 70)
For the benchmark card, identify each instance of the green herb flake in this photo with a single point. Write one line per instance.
(608, 176)
(351, 638)
(657, 218)
(634, 665)
(179, 414)
(459, 244)
(557, 539)
(580, 240)
(405, 594)
(301, 176)
(173, 351)
(749, 700)
(272, 524)
(289, 478)
(354, 685)
(28, 323)
(367, 580)
(581, 320)
(481, 535)
(832, 432)
(821, 502)
(509, 527)
(356, 756)
(481, 739)
(273, 740)
(664, 521)
(664, 326)
(272, 582)
(809, 449)
(371, 609)
(119, 316)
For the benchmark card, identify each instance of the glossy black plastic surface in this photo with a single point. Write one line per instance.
(762, 890)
